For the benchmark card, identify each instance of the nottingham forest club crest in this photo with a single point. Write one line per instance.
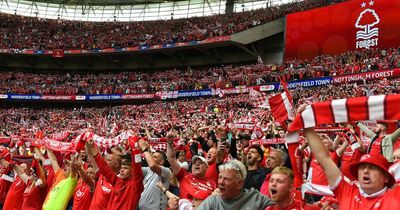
(367, 21)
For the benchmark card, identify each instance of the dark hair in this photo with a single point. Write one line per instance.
(126, 159)
(259, 151)
(384, 124)
(164, 157)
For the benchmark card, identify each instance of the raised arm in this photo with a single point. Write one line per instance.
(85, 177)
(104, 169)
(41, 171)
(322, 155)
(145, 148)
(175, 167)
(342, 147)
(166, 191)
(366, 130)
(53, 160)
(361, 146)
(395, 135)
(137, 173)
(91, 159)
(221, 148)
(73, 171)
(20, 172)
(42, 175)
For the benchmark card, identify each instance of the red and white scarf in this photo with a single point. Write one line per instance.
(381, 107)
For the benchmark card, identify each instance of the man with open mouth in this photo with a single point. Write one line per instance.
(232, 194)
(374, 186)
(281, 191)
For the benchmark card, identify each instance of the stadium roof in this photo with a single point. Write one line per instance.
(118, 10)
(119, 2)
(101, 2)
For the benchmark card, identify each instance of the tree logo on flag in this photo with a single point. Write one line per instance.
(366, 21)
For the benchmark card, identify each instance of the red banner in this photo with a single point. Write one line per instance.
(373, 75)
(5, 139)
(54, 145)
(338, 28)
(138, 96)
(59, 136)
(267, 141)
(331, 130)
(244, 126)
(58, 97)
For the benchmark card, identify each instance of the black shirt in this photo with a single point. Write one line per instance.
(255, 178)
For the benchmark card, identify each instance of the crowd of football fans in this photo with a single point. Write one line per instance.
(228, 76)
(18, 32)
(219, 152)
(203, 145)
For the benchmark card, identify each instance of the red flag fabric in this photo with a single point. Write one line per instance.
(259, 99)
(280, 107)
(285, 88)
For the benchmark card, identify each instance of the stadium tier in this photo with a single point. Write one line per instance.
(294, 108)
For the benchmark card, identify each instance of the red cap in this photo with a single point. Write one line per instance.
(199, 194)
(376, 160)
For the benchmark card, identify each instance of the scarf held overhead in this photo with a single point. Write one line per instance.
(381, 107)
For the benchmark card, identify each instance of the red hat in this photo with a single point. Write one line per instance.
(199, 194)
(376, 160)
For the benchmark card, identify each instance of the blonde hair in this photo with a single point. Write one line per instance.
(284, 170)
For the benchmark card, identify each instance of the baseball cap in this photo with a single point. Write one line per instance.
(201, 158)
(199, 194)
(376, 160)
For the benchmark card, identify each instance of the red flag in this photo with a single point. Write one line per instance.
(259, 99)
(285, 88)
(280, 107)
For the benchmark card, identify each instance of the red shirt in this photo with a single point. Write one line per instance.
(376, 146)
(102, 194)
(33, 197)
(295, 205)
(82, 196)
(50, 177)
(265, 186)
(317, 173)
(349, 197)
(189, 183)
(126, 193)
(212, 172)
(349, 157)
(14, 195)
(4, 187)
